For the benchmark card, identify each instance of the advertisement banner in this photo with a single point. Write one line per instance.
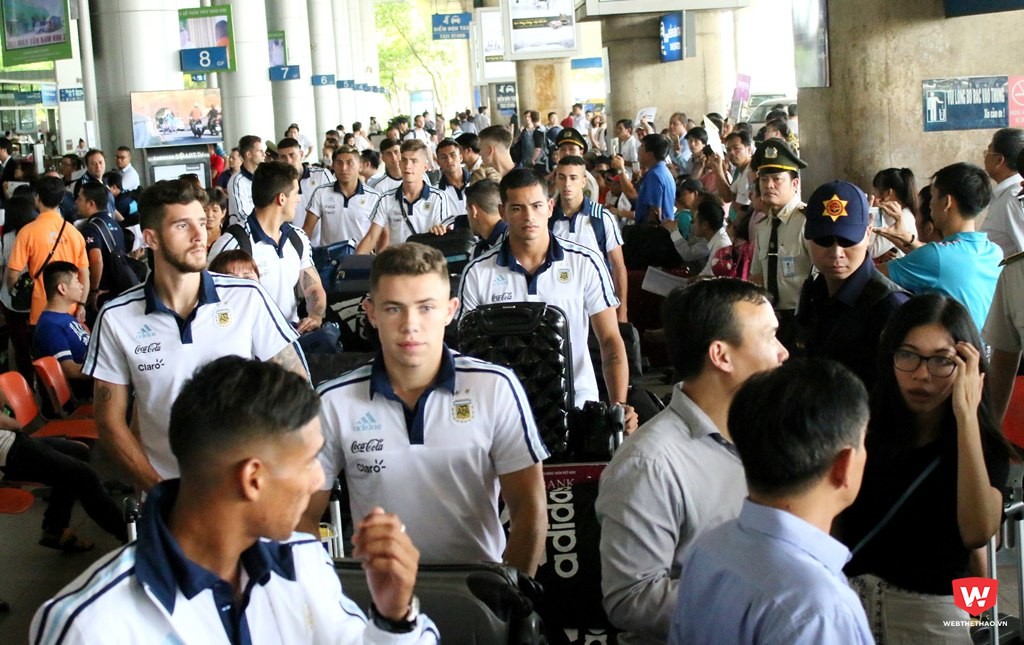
(487, 46)
(540, 29)
(278, 48)
(35, 31)
(208, 28)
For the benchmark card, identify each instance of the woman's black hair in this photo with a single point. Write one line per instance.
(901, 182)
(21, 210)
(892, 430)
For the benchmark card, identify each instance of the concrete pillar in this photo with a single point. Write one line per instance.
(136, 48)
(639, 79)
(871, 117)
(355, 23)
(543, 85)
(321, 40)
(293, 100)
(245, 93)
(346, 41)
(371, 58)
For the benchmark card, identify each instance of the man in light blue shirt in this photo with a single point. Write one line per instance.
(656, 195)
(965, 264)
(774, 575)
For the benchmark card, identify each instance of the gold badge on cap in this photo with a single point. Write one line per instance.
(771, 152)
(835, 207)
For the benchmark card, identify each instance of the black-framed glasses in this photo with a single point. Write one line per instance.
(907, 361)
(828, 242)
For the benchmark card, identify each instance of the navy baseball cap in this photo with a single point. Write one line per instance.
(837, 209)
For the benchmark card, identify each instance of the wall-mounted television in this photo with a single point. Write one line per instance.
(176, 118)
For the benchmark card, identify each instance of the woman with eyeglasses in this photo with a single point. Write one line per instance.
(936, 465)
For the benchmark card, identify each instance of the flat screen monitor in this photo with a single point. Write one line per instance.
(176, 118)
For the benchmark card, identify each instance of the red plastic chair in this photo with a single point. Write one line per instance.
(59, 390)
(15, 500)
(1013, 422)
(15, 389)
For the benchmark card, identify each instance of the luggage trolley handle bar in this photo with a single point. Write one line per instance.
(337, 542)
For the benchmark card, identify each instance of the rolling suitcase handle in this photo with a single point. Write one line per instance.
(336, 543)
(131, 517)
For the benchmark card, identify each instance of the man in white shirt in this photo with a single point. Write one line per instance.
(482, 120)
(1004, 222)
(626, 145)
(708, 237)
(218, 559)
(281, 251)
(290, 151)
(129, 176)
(362, 143)
(412, 208)
(341, 211)
(152, 337)
(239, 189)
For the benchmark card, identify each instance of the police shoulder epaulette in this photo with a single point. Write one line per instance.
(1011, 259)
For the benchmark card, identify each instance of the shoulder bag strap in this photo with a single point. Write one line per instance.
(895, 507)
(52, 251)
(401, 205)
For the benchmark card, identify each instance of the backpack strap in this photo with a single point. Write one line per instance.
(241, 236)
(295, 239)
(597, 222)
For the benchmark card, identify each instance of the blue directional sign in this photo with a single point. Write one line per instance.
(671, 37)
(204, 59)
(321, 79)
(507, 98)
(362, 87)
(199, 78)
(284, 72)
(68, 94)
(346, 84)
(451, 26)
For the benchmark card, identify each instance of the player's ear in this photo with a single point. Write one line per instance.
(453, 306)
(371, 312)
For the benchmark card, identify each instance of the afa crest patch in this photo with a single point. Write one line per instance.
(564, 275)
(462, 411)
(222, 317)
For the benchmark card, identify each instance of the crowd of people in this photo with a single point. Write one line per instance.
(829, 461)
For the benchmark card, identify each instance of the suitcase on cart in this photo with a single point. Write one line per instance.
(531, 339)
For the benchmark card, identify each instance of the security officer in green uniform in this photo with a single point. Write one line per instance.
(843, 310)
(781, 262)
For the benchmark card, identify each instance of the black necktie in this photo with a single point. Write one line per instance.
(772, 279)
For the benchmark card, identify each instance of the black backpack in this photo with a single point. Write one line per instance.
(125, 271)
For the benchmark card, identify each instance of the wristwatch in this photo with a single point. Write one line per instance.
(404, 626)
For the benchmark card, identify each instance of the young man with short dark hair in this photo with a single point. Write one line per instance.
(532, 264)
(239, 188)
(483, 212)
(965, 264)
(495, 143)
(774, 574)
(91, 203)
(152, 337)
(454, 176)
(680, 475)
(454, 429)
(585, 221)
(391, 155)
(342, 210)
(218, 558)
(58, 333)
(284, 266)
